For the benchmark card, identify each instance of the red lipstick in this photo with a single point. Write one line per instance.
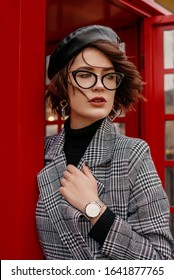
(97, 101)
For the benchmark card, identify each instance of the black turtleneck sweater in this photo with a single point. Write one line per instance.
(76, 143)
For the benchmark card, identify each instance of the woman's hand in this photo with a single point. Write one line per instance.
(79, 187)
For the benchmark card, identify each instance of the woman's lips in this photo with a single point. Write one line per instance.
(97, 101)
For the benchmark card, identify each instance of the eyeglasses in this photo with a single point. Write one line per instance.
(86, 79)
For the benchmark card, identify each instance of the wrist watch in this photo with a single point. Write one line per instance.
(93, 208)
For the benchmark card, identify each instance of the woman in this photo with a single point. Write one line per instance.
(100, 195)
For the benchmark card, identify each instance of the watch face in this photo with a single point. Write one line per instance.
(92, 210)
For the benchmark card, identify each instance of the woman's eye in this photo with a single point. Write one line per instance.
(111, 76)
(84, 75)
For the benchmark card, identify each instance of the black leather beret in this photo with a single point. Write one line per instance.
(75, 42)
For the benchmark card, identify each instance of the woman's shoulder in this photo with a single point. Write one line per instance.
(132, 146)
(124, 141)
(131, 141)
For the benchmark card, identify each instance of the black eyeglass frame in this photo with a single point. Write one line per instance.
(75, 72)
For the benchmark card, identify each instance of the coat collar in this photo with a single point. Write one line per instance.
(99, 151)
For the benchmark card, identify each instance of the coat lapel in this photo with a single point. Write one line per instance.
(100, 150)
(63, 216)
(101, 147)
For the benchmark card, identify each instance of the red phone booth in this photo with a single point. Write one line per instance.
(29, 31)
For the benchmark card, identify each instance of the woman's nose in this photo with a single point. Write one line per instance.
(99, 84)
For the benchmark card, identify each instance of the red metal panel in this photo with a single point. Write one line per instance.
(22, 124)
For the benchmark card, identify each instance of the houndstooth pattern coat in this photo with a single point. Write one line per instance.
(127, 183)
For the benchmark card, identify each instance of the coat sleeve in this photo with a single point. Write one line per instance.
(145, 234)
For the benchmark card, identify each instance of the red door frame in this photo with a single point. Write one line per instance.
(153, 115)
(150, 112)
(22, 50)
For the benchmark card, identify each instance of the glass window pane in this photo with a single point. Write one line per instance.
(168, 49)
(121, 127)
(169, 184)
(169, 140)
(51, 129)
(169, 93)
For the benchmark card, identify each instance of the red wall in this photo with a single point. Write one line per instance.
(22, 43)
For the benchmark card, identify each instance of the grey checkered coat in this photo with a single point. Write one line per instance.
(127, 183)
